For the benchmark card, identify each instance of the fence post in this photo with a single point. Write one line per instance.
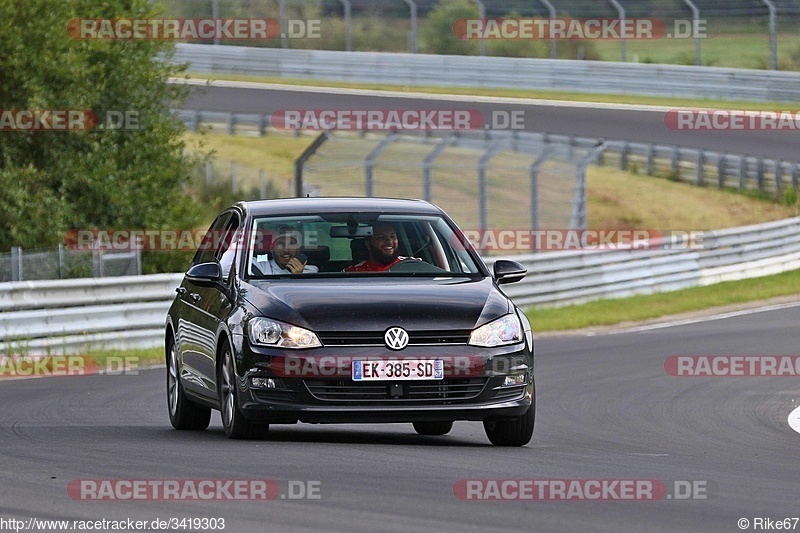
(674, 163)
(794, 175)
(284, 24)
(215, 16)
(427, 165)
(760, 173)
(301, 160)
(621, 13)
(773, 34)
(348, 25)
(552, 10)
(482, 16)
(16, 263)
(138, 259)
(700, 162)
(650, 159)
(534, 173)
(413, 18)
(695, 31)
(483, 185)
(742, 171)
(623, 156)
(578, 218)
(262, 125)
(778, 177)
(721, 171)
(231, 123)
(60, 260)
(262, 184)
(369, 163)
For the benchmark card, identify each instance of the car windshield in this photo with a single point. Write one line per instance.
(357, 244)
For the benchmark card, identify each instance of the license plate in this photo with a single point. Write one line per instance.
(407, 369)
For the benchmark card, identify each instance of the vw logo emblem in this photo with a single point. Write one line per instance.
(396, 338)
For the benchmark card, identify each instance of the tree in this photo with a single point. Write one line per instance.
(51, 182)
(437, 32)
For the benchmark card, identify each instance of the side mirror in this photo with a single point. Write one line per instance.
(205, 273)
(506, 271)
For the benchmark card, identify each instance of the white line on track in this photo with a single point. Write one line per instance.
(709, 318)
(423, 96)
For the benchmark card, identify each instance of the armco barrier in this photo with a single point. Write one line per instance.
(601, 77)
(129, 312)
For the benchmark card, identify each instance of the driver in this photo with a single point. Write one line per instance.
(382, 247)
(284, 256)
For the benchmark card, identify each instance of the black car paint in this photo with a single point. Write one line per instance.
(209, 313)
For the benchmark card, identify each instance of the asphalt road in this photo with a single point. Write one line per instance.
(568, 119)
(607, 410)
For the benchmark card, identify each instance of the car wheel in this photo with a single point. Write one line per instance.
(183, 413)
(433, 428)
(234, 423)
(511, 431)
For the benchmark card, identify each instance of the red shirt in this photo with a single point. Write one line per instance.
(372, 266)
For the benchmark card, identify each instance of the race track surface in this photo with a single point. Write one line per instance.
(606, 410)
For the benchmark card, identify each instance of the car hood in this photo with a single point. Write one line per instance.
(374, 305)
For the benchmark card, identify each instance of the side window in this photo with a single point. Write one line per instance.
(229, 245)
(209, 244)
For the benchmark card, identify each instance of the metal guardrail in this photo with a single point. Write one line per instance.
(599, 77)
(71, 315)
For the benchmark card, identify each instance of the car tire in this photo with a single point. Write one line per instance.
(234, 423)
(433, 428)
(183, 413)
(516, 431)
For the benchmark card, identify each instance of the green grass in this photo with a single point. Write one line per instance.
(729, 50)
(137, 358)
(637, 308)
(615, 199)
(510, 93)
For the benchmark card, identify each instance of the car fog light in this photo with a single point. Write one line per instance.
(263, 383)
(518, 379)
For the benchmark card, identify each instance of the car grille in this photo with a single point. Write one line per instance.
(350, 391)
(375, 338)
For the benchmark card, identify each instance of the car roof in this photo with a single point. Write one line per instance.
(295, 206)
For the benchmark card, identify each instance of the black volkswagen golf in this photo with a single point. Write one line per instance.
(347, 310)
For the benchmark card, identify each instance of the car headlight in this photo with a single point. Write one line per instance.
(504, 330)
(267, 332)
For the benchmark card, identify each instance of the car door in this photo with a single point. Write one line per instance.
(196, 326)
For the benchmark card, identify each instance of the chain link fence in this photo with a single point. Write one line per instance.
(400, 25)
(65, 263)
(483, 180)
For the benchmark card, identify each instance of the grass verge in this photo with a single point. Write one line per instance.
(638, 308)
(135, 358)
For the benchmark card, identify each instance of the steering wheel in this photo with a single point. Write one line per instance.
(416, 266)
